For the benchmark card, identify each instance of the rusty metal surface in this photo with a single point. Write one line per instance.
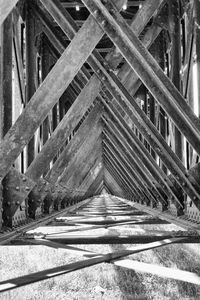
(17, 188)
(148, 70)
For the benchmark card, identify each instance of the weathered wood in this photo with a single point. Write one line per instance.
(5, 8)
(49, 92)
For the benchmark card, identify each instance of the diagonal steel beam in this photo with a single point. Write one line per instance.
(56, 271)
(138, 117)
(77, 164)
(111, 147)
(69, 26)
(91, 174)
(120, 178)
(111, 184)
(123, 148)
(124, 174)
(87, 128)
(142, 153)
(126, 74)
(83, 167)
(48, 93)
(92, 187)
(152, 193)
(148, 70)
(64, 129)
(149, 9)
(5, 8)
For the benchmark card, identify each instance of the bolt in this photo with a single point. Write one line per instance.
(104, 23)
(27, 188)
(112, 11)
(8, 203)
(96, 12)
(103, 78)
(17, 188)
(105, 64)
(195, 198)
(17, 203)
(24, 179)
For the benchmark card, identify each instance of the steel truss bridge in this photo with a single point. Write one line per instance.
(99, 125)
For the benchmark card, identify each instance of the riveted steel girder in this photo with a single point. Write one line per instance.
(48, 93)
(142, 152)
(116, 152)
(86, 129)
(148, 70)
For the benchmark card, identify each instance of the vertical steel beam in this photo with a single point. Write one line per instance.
(45, 70)
(6, 97)
(7, 36)
(49, 93)
(175, 34)
(196, 50)
(30, 71)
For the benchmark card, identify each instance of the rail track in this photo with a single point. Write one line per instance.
(72, 226)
